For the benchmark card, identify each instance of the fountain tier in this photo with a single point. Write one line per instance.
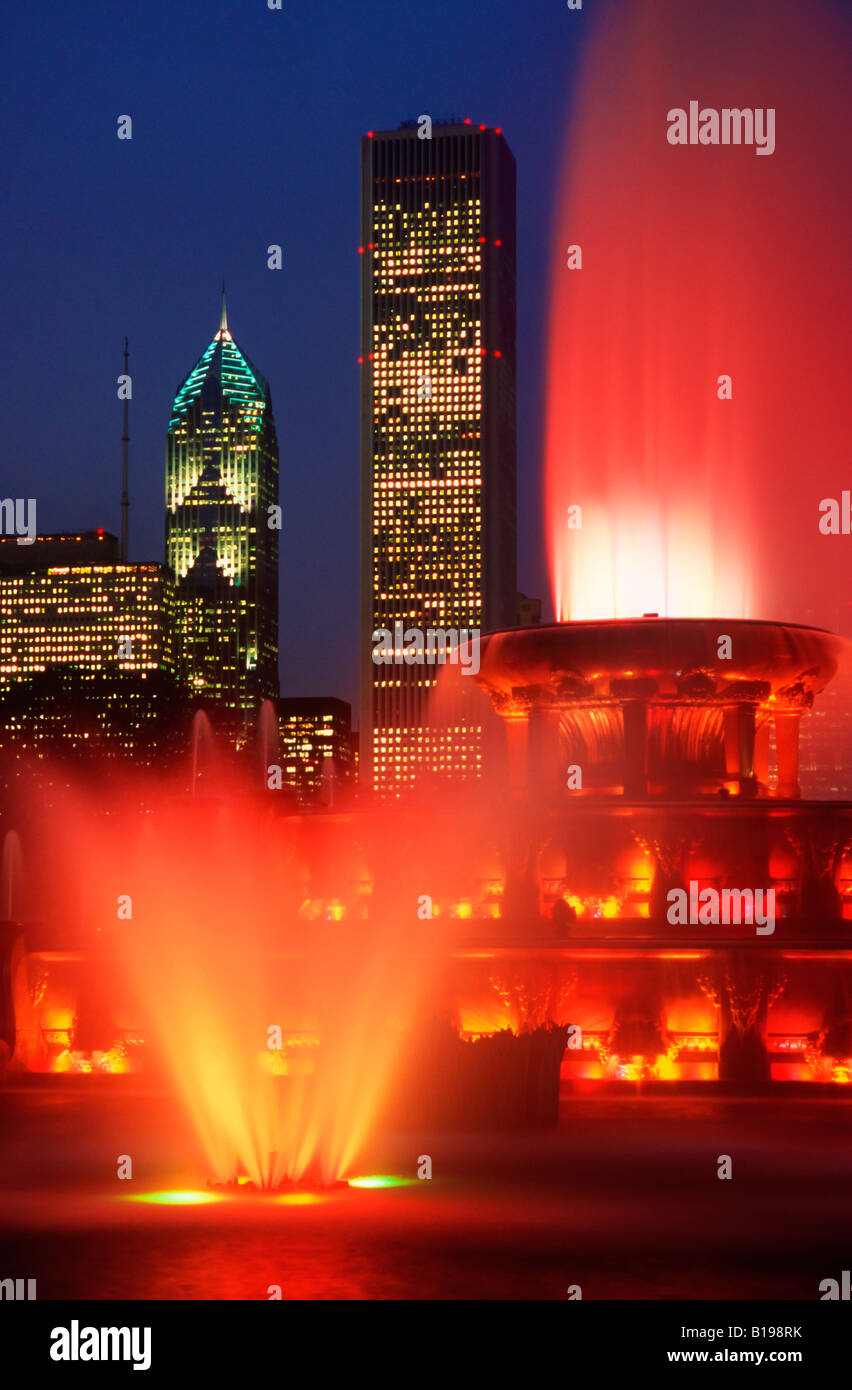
(663, 707)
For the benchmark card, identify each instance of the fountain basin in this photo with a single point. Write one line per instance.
(657, 706)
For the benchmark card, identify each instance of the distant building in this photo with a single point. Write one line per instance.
(527, 611)
(316, 747)
(222, 529)
(825, 743)
(87, 655)
(438, 435)
(825, 738)
(64, 548)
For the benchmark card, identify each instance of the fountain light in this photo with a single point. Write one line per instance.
(175, 1199)
(381, 1180)
(307, 1188)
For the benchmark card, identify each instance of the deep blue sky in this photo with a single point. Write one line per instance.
(246, 125)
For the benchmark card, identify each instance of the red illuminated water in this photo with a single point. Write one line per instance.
(700, 262)
(234, 942)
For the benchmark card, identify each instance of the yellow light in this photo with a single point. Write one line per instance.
(176, 1199)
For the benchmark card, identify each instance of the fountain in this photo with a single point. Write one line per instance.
(280, 969)
(644, 725)
(642, 753)
(11, 875)
(267, 738)
(202, 749)
(693, 496)
(658, 707)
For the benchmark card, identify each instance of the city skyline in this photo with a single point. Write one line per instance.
(97, 203)
(279, 165)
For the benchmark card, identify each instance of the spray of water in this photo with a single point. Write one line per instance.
(699, 263)
(238, 940)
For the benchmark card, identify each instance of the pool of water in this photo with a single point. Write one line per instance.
(622, 1199)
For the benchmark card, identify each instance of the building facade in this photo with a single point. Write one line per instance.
(438, 434)
(87, 648)
(222, 528)
(316, 748)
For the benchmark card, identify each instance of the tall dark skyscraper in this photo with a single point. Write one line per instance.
(438, 438)
(222, 527)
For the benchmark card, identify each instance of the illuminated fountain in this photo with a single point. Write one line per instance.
(10, 874)
(668, 488)
(638, 754)
(267, 739)
(649, 707)
(661, 751)
(276, 967)
(227, 946)
(203, 752)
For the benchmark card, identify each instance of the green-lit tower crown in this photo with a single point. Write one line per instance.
(222, 527)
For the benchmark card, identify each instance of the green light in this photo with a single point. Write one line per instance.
(380, 1180)
(240, 380)
(177, 1199)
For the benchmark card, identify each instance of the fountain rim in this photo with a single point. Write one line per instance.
(777, 665)
(654, 619)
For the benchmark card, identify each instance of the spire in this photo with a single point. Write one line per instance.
(223, 322)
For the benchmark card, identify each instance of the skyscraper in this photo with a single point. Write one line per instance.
(438, 439)
(222, 524)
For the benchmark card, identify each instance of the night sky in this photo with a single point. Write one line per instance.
(246, 125)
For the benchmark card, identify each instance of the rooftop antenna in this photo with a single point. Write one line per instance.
(125, 442)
